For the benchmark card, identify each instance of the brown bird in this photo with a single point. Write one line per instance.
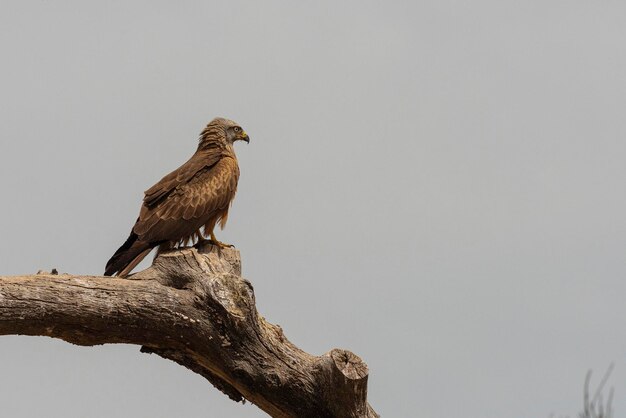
(188, 203)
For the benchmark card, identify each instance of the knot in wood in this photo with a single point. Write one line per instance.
(232, 294)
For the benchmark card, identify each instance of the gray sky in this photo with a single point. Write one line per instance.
(436, 185)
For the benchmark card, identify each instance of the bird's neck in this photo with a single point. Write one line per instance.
(213, 148)
(230, 151)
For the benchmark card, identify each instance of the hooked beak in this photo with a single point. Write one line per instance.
(246, 138)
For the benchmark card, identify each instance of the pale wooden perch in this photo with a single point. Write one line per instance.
(193, 307)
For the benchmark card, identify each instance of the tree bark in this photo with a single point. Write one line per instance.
(193, 307)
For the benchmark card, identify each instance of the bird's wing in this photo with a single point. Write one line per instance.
(188, 206)
(183, 174)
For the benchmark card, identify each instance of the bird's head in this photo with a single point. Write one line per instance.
(222, 129)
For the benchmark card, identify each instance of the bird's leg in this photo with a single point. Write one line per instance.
(220, 244)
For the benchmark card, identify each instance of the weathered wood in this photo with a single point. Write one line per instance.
(193, 307)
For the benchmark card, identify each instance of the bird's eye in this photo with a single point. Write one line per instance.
(237, 129)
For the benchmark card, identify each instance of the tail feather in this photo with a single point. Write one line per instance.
(128, 255)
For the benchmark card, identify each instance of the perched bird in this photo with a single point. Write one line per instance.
(188, 203)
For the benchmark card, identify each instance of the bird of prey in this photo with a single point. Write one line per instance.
(188, 203)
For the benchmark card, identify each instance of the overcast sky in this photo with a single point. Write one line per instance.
(437, 186)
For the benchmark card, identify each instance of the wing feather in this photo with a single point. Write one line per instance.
(190, 205)
(201, 160)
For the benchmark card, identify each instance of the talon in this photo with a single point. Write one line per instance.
(220, 244)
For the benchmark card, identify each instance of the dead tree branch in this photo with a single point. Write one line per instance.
(193, 307)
